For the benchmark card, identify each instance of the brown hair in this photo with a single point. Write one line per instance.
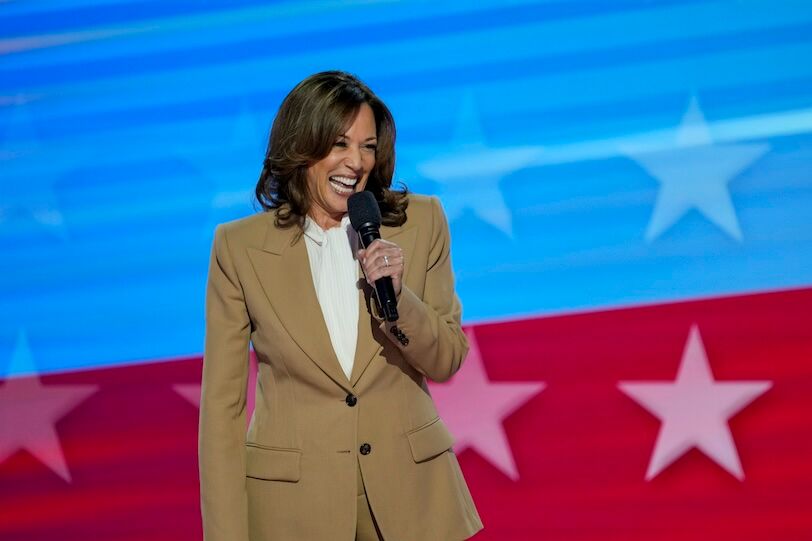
(310, 118)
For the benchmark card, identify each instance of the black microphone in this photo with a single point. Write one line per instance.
(365, 217)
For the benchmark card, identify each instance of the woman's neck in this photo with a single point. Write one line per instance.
(324, 220)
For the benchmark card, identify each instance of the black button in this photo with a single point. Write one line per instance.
(366, 449)
(351, 400)
(400, 335)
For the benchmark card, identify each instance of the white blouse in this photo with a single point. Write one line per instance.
(335, 276)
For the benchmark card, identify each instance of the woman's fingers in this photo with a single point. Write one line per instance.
(380, 253)
(382, 258)
(389, 264)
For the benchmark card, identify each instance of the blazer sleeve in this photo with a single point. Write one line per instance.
(222, 431)
(432, 340)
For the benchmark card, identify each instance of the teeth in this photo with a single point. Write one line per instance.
(347, 181)
(340, 188)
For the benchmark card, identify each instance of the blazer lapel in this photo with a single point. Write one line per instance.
(368, 345)
(283, 270)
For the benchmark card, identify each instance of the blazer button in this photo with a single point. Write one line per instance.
(400, 335)
(366, 449)
(351, 400)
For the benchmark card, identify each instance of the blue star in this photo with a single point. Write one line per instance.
(695, 175)
(231, 167)
(29, 174)
(470, 171)
(22, 362)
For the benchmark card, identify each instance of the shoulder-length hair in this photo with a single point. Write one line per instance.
(311, 117)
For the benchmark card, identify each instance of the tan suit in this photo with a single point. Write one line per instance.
(293, 476)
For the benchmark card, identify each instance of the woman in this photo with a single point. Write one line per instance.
(345, 442)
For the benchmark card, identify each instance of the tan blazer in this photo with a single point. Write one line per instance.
(293, 475)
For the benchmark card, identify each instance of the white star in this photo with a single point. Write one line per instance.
(694, 410)
(695, 175)
(470, 171)
(474, 408)
(30, 410)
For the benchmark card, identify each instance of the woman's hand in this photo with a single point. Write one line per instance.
(382, 258)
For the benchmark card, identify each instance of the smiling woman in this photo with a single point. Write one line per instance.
(344, 171)
(345, 441)
(326, 119)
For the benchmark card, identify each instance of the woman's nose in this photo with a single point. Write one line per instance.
(353, 158)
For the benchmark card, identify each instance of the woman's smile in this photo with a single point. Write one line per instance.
(343, 185)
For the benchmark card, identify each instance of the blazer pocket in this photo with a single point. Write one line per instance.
(429, 440)
(272, 463)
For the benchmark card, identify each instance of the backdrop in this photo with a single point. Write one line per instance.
(629, 194)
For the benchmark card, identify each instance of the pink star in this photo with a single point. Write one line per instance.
(191, 391)
(30, 410)
(475, 407)
(694, 410)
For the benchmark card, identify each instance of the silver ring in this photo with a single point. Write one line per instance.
(386, 261)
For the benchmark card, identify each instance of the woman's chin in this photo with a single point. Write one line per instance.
(338, 202)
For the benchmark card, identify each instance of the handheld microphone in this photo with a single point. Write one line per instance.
(365, 217)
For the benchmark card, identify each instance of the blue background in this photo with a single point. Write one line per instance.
(589, 154)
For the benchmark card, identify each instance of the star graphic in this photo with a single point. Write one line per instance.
(30, 410)
(23, 158)
(470, 171)
(694, 410)
(232, 167)
(191, 391)
(695, 175)
(474, 407)
(248, 140)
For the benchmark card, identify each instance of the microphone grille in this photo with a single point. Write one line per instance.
(363, 209)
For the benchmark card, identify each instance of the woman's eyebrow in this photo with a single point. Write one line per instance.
(370, 138)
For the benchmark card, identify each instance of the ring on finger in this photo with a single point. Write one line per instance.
(386, 261)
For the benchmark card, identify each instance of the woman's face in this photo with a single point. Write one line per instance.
(344, 171)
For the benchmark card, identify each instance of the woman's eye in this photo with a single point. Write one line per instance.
(372, 147)
(340, 144)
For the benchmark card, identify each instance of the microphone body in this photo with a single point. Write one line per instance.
(385, 291)
(365, 216)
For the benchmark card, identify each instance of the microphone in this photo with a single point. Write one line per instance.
(365, 217)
